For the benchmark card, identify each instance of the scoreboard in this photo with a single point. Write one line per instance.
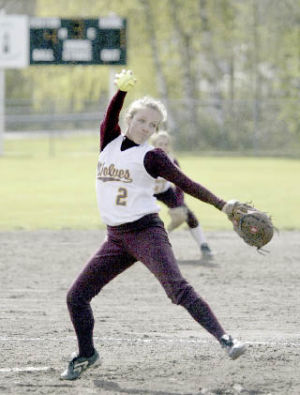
(77, 41)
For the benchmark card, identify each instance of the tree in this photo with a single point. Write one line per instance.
(209, 61)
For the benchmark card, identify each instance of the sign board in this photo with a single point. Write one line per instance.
(14, 41)
(78, 41)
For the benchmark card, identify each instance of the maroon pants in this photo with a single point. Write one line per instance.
(144, 240)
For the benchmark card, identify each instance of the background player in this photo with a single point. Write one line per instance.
(173, 197)
(126, 173)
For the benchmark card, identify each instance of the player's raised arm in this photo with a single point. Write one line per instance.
(109, 128)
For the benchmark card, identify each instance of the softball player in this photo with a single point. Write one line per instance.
(126, 173)
(173, 197)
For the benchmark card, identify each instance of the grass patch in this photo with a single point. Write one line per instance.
(49, 183)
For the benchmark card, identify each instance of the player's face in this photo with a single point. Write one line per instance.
(143, 124)
(163, 143)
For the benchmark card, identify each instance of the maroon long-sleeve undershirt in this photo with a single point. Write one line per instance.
(178, 192)
(156, 161)
(109, 127)
(158, 164)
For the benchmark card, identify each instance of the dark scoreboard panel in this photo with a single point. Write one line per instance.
(78, 41)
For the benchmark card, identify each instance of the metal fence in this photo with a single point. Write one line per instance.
(262, 128)
(232, 127)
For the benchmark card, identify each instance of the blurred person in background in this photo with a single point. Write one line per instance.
(173, 197)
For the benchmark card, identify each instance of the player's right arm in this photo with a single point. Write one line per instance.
(109, 127)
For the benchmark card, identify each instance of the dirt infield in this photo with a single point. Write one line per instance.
(148, 345)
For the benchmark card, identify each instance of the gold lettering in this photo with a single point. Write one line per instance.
(111, 173)
(111, 170)
(99, 168)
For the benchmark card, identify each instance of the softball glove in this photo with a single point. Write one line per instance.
(252, 225)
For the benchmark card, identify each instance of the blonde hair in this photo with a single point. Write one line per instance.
(146, 102)
(160, 133)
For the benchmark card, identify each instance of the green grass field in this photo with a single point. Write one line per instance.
(50, 184)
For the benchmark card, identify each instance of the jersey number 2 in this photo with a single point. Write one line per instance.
(121, 197)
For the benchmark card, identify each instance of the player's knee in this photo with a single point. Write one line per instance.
(192, 221)
(70, 298)
(74, 299)
(181, 293)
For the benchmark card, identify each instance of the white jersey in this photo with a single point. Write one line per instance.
(124, 188)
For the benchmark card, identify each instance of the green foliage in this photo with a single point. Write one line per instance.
(51, 85)
(214, 51)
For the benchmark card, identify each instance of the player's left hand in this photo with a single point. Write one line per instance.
(229, 206)
(252, 225)
(125, 80)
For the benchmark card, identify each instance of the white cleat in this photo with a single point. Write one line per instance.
(233, 347)
(78, 365)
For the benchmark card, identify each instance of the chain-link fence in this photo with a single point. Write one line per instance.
(232, 127)
(267, 127)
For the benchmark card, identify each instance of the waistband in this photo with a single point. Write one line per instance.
(144, 222)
